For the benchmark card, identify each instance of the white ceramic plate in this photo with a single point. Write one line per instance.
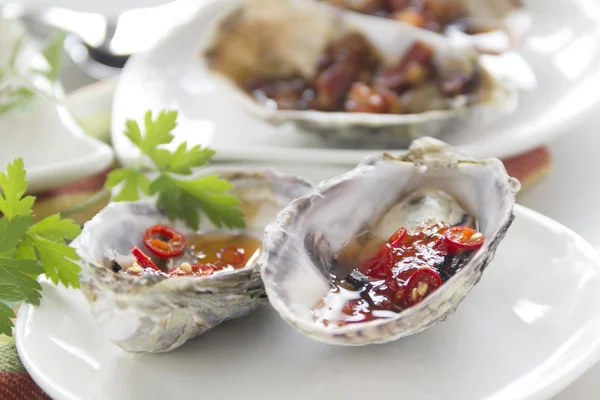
(562, 48)
(54, 148)
(91, 106)
(527, 330)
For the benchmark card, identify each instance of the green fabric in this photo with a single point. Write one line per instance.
(9, 358)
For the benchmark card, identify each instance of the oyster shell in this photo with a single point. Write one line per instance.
(157, 314)
(274, 38)
(505, 22)
(500, 24)
(300, 246)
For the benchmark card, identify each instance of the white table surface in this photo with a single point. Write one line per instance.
(570, 194)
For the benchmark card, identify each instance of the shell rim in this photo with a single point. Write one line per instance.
(149, 282)
(280, 226)
(503, 94)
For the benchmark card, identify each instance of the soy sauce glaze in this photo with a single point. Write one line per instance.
(392, 276)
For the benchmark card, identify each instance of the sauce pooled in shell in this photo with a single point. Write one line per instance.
(392, 276)
(176, 255)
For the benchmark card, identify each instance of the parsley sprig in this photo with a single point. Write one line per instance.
(17, 90)
(28, 250)
(177, 194)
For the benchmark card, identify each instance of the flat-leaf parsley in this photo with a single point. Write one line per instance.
(28, 250)
(177, 194)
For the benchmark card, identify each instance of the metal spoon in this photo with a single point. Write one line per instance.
(101, 45)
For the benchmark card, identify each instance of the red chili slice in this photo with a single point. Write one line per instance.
(400, 280)
(420, 285)
(142, 259)
(380, 265)
(356, 307)
(352, 307)
(193, 270)
(178, 271)
(217, 265)
(396, 239)
(406, 273)
(231, 255)
(463, 238)
(164, 241)
(202, 269)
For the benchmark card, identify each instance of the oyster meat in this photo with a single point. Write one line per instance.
(431, 184)
(349, 76)
(156, 313)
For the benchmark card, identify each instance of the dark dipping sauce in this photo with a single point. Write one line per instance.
(405, 270)
(204, 255)
(351, 77)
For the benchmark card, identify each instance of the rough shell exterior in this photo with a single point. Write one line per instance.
(300, 245)
(157, 314)
(497, 98)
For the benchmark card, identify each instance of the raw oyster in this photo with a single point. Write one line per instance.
(156, 314)
(276, 38)
(489, 26)
(300, 247)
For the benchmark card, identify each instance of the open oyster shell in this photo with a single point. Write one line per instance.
(500, 24)
(299, 247)
(157, 314)
(505, 22)
(275, 38)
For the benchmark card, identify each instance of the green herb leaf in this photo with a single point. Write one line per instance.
(17, 90)
(10, 293)
(15, 98)
(208, 192)
(53, 53)
(12, 230)
(14, 185)
(26, 250)
(184, 160)
(175, 203)
(133, 181)
(158, 130)
(55, 229)
(133, 132)
(6, 325)
(47, 238)
(179, 198)
(17, 274)
(12, 59)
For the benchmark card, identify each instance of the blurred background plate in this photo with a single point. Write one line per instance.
(54, 148)
(555, 65)
(106, 7)
(42, 131)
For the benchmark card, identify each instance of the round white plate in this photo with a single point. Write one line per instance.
(527, 330)
(562, 48)
(54, 148)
